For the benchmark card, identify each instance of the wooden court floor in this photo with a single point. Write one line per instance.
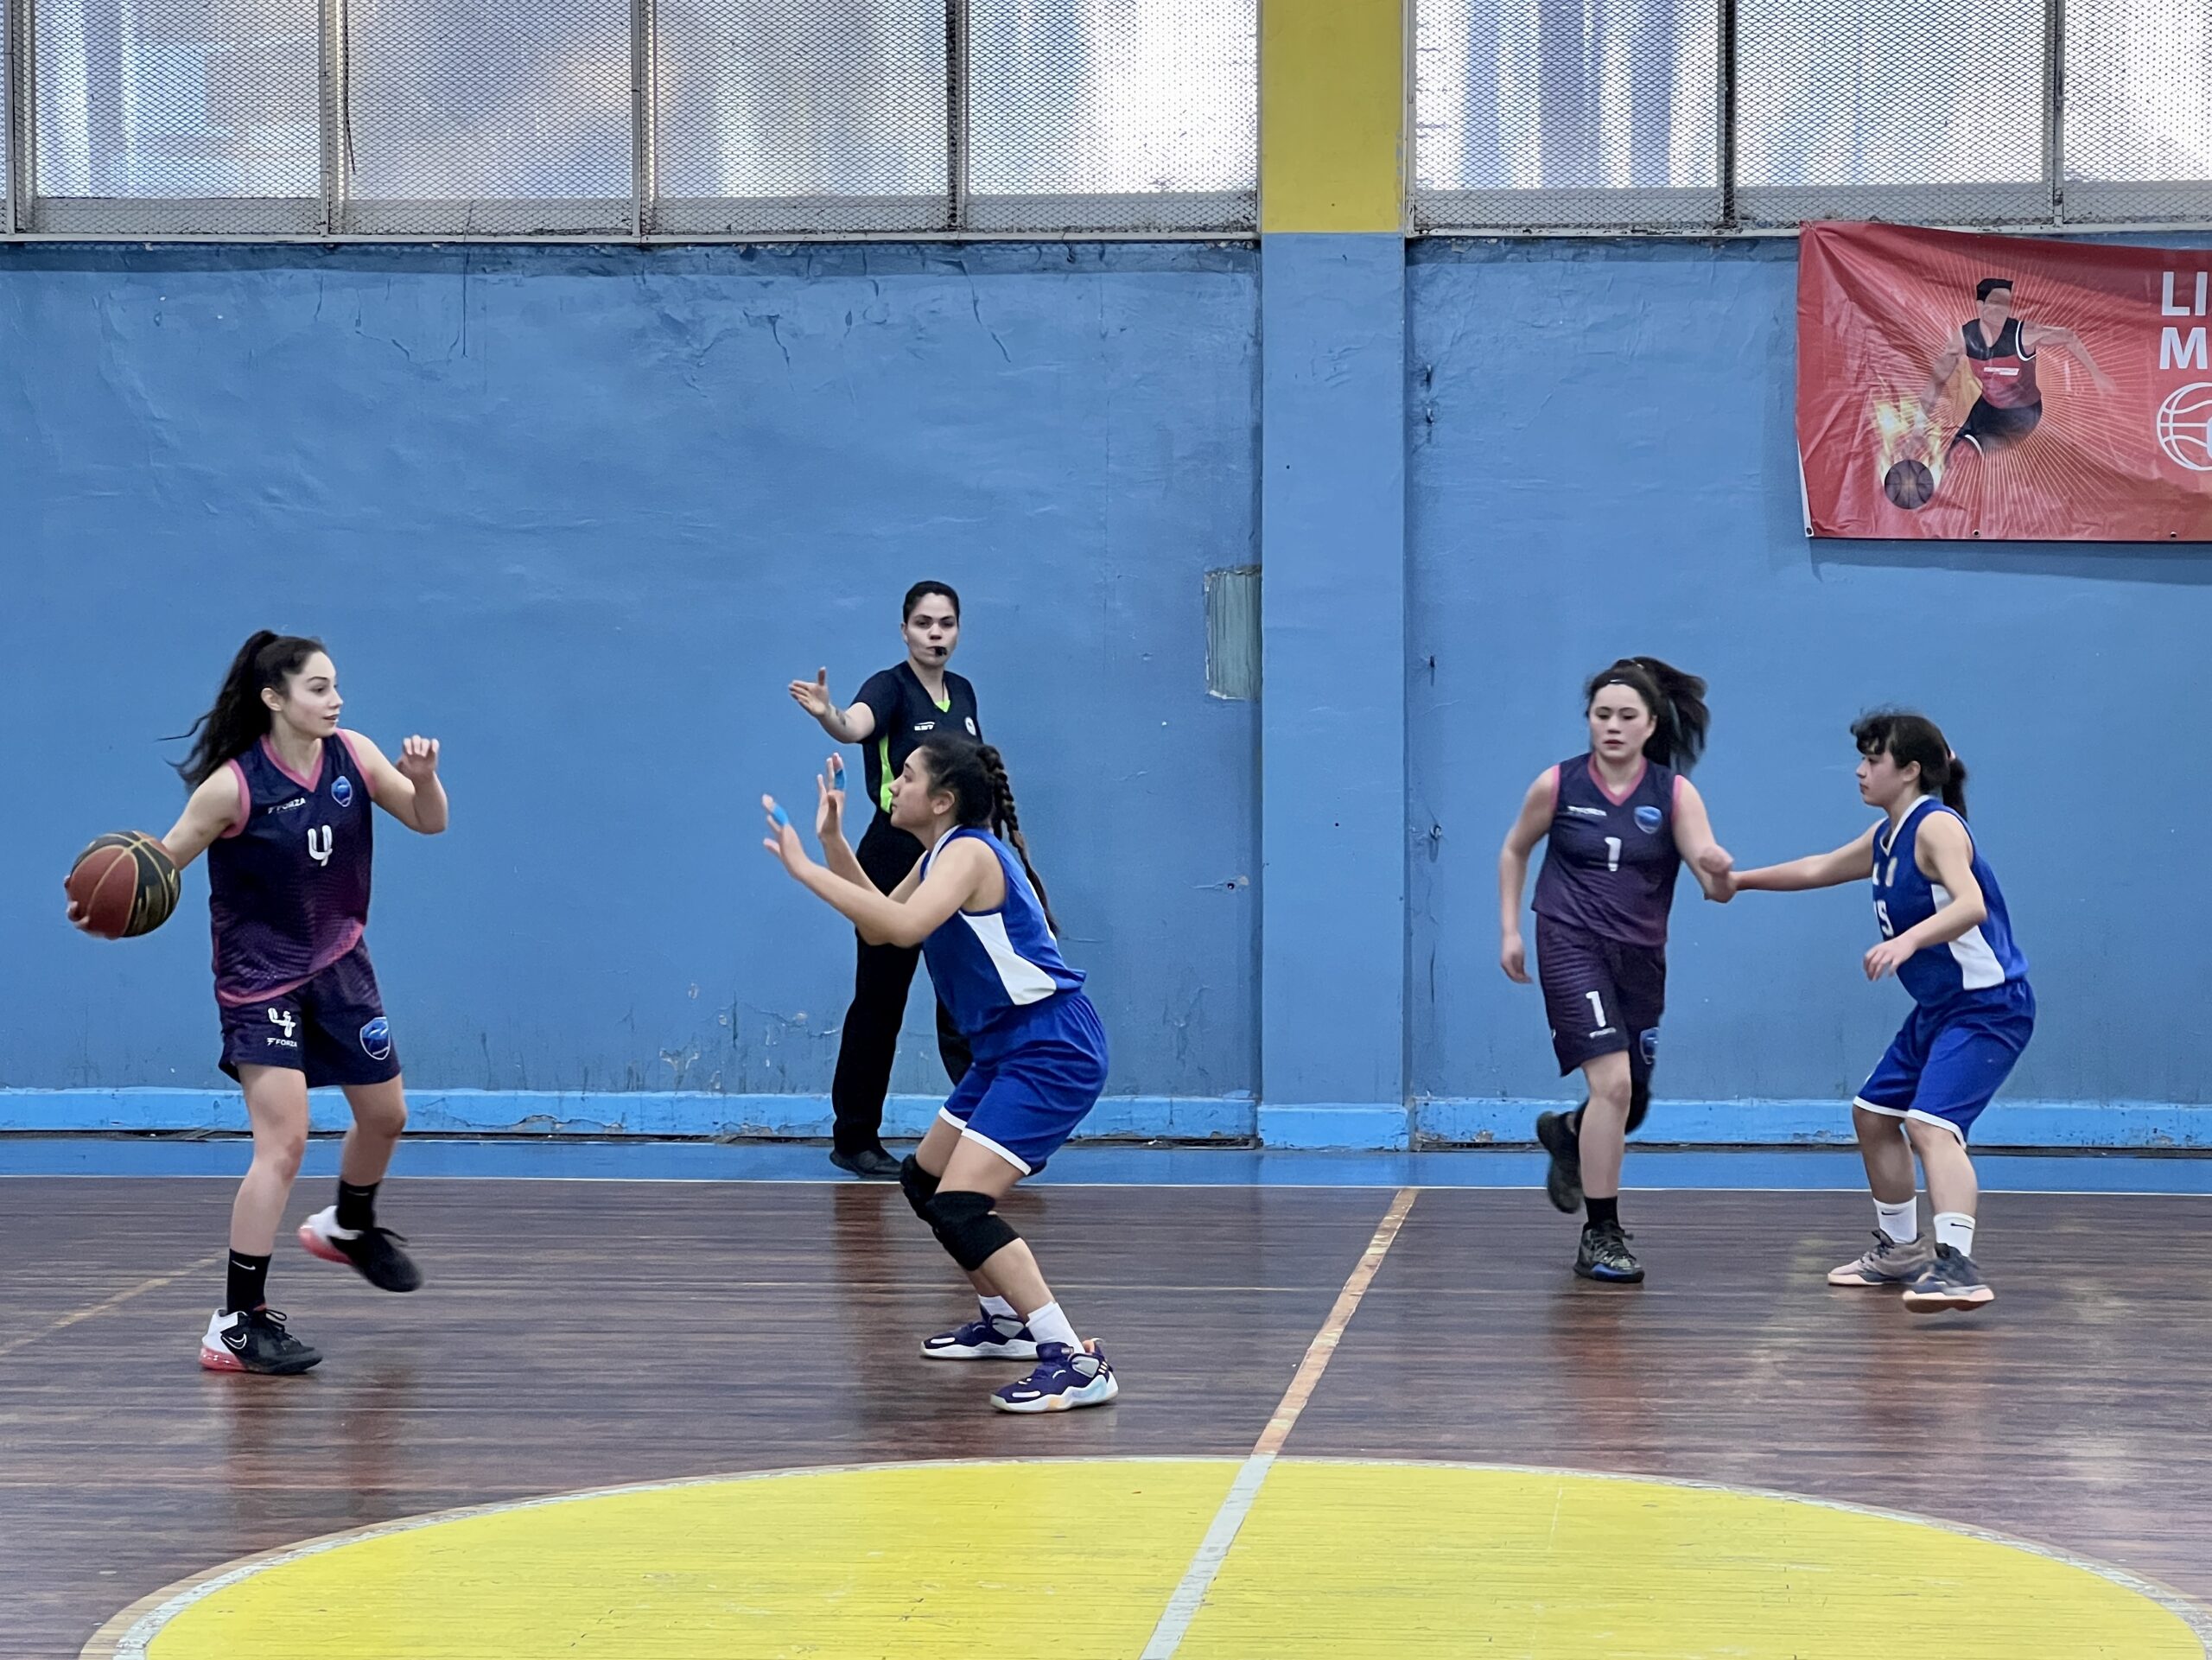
(587, 1335)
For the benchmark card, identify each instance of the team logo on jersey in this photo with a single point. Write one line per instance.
(1647, 820)
(285, 1021)
(1586, 813)
(1651, 1042)
(376, 1039)
(341, 791)
(319, 841)
(971, 727)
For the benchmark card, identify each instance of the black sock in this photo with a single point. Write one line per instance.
(249, 1282)
(357, 1206)
(1603, 1212)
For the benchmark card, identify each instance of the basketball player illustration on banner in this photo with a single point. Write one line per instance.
(2002, 349)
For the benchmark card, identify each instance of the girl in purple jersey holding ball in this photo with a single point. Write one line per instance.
(280, 804)
(1620, 819)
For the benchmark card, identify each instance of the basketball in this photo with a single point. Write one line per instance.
(1908, 484)
(125, 884)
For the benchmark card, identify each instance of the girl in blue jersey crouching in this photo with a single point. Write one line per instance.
(976, 909)
(1947, 935)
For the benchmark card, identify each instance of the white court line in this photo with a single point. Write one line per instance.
(1197, 1579)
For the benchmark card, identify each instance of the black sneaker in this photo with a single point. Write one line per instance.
(254, 1340)
(1563, 1182)
(1605, 1256)
(870, 1164)
(374, 1251)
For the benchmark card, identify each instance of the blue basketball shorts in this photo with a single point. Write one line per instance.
(331, 1026)
(1036, 1076)
(1946, 1063)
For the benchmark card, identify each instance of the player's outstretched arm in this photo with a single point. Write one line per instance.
(830, 823)
(955, 880)
(1854, 861)
(1939, 376)
(2066, 340)
(217, 804)
(409, 791)
(1530, 827)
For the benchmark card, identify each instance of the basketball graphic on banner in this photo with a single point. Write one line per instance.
(2185, 427)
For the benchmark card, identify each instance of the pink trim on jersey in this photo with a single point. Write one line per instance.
(350, 938)
(1674, 795)
(1554, 778)
(1643, 765)
(246, 802)
(278, 761)
(368, 779)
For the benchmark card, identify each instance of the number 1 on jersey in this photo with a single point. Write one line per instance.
(1613, 853)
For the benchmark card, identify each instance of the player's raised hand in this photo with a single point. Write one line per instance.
(829, 806)
(813, 696)
(782, 839)
(418, 758)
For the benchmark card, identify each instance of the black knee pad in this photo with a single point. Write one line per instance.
(1639, 1103)
(968, 1226)
(918, 1185)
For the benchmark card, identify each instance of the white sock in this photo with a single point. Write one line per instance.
(1899, 1221)
(1955, 1229)
(997, 1308)
(1048, 1324)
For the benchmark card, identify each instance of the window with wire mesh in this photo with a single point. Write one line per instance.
(486, 116)
(1891, 109)
(827, 117)
(180, 116)
(1113, 115)
(2138, 139)
(1567, 113)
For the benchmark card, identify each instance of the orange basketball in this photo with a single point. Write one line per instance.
(125, 884)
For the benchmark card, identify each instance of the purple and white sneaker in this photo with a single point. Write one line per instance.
(1065, 1378)
(992, 1337)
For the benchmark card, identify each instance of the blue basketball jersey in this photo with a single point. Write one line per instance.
(1982, 958)
(288, 884)
(987, 964)
(1609, 865)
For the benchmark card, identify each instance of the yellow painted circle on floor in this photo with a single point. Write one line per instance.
(1077, 1559)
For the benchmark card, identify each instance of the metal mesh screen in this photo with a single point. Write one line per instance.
(1891, 109)
(475, 116)
(177, 116)
(823, 117)
(1567, 113)
(1111, 115)
(2138, 139)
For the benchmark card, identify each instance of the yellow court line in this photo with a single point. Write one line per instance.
(1191, 1594)
(116, 1301)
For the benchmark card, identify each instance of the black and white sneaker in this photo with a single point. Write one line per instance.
(373, 1251)
(254, 1340)
(1605, 1256)
(1559, 1135)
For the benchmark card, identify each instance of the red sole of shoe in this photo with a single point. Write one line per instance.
(213, 1362)
(315, 1245)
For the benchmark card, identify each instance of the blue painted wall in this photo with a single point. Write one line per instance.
(1602, 462)
(583, 514)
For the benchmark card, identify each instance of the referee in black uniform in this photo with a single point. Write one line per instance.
(895, 710)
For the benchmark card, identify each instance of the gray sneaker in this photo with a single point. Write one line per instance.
(1891, 1262)
(1951, 1281)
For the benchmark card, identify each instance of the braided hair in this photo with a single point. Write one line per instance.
(974, 775)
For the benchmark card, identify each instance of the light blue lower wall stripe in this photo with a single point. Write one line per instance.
(2132, 1125)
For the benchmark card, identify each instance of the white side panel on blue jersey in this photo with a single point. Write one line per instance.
(1979, 969)
(1024, 981)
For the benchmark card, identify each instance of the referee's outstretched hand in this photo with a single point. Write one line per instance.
(813, 696)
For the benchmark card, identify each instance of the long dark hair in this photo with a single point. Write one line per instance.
(1676, 701)
(238, 718)
(1908, 738)
(921, 591)
(974, 775)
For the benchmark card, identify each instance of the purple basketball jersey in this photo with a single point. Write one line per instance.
(288, 884)
(1609, 863)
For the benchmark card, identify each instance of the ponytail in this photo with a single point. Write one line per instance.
(1910, 738)
(238, 718)
(1679, 716)
(974, 775)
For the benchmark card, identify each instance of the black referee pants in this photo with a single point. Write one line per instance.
(881, 979)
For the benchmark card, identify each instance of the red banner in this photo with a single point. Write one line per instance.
(1953, 386)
